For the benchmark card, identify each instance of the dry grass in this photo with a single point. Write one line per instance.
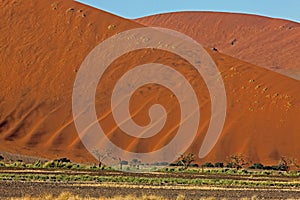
(70, 196)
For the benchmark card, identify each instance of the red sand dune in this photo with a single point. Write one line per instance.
(43, 43)
(266, 42)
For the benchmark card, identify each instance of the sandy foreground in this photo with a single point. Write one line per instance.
(19, 189)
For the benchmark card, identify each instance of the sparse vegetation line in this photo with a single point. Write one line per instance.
(146, 180)
(178, 187)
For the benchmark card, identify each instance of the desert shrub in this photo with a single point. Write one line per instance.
(49, 164)
(267, 173)
(171, 169)
(231, 171)
(180, 169)
(53, 164)
(58, 163)
(18, 164)
(68, 166)
(30, 166)
(135, 163)
(124, 162)
(37, 164)
(2, 164)
(225, 170)
(283, 167)
(208, 164)
(229, 165)
(236, 161)
(155, 164)
(256, 166)
(186, 160)
(108, 168)
(91, 167)
(270, 167)
(63, 160)
(243, 171)
(163, 164)
(194, 165)
(219, 164)
(79, 166)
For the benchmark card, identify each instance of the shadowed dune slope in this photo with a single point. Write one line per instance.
(43, 44)
(266, 42)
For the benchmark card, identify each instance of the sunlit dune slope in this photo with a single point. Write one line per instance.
(266, 42)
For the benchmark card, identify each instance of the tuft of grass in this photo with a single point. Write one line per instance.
(180, 197)
(70, 196)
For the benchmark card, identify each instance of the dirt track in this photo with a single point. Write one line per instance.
(186, 175)
(10, 189)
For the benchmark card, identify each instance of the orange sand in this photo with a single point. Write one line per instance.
(266, 42)
(43, 43)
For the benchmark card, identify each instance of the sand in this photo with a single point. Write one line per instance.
(43, 44)
(266, 42)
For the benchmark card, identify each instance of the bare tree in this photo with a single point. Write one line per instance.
(237, 161)
(102, 155)
(186, 160)
(294, 163)
(286, 164)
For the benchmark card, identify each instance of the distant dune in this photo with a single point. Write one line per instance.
(43, 44)
(266, 42)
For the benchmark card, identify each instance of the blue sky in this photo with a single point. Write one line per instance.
(286, 9)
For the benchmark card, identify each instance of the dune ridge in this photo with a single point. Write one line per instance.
(266, 42)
